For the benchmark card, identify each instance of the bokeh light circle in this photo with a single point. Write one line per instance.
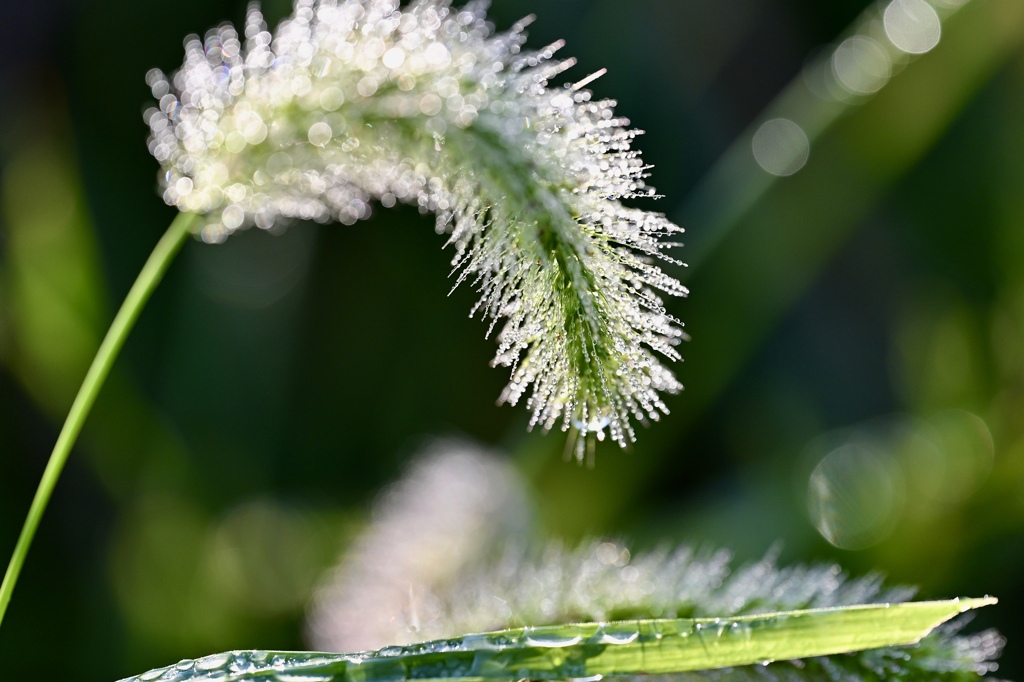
(912, 25)
(780, 147)
(861, 65)
(855, 496)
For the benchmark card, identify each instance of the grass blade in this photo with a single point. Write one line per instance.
(589, 649)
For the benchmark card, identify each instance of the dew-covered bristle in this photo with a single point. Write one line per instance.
(351, 102)
(455, 503)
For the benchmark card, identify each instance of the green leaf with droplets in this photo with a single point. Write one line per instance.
(559, 652)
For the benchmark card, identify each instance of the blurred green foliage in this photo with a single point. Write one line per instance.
(855, 382)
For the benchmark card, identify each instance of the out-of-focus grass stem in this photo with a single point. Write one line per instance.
(814, 101)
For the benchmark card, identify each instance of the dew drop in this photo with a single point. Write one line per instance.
(437, 55)
(215, 662)
(741, 630)
(320, 134)
(616, 635)
(321, 66)
(367, 86)
(234, 142)
(499, 642)
(551, 640)
(183, 186)
(232, 217)
(264, 219)
(350, 144)
(561, 101)
(332, 98)
(152, 674)
(430, 104)
(213, 234)
(393, 58)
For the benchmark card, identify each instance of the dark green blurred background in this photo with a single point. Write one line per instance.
(855, 382)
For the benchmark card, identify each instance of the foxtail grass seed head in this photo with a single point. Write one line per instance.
(355, 101)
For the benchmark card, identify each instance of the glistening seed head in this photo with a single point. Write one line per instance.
(352, 101)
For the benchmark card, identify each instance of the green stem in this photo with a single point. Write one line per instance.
(148, 278)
